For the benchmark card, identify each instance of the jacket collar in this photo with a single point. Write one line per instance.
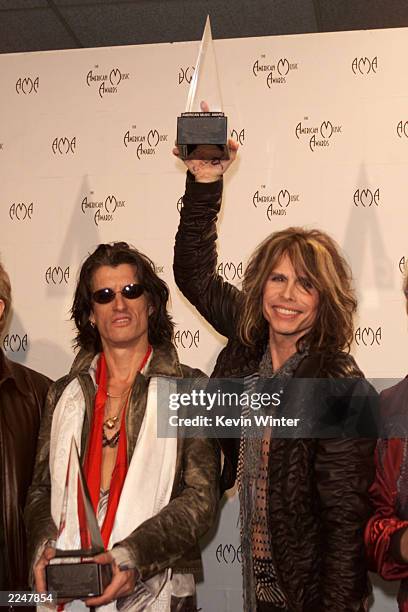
(164, 362)
(10, 371)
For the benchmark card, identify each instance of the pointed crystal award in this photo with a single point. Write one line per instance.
(202, 129)
(71, 574)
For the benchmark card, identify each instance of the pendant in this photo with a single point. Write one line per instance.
(111, 422)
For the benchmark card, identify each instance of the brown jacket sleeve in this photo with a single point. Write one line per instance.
(195, 257)
(344, 470)
(161, 540)
(39, 523)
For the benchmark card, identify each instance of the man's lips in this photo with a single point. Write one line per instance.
(286, 312)
(123, 320)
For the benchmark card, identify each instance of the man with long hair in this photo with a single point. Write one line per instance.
(22, 394)
(153, 497)
(303, 502)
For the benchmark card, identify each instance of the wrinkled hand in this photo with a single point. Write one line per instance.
(39, 569)
(209, 171)
(123, 582)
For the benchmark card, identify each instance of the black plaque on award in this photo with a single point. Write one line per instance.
(71, 574)
(202, 129)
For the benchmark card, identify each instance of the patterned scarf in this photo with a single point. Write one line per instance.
(248, 466)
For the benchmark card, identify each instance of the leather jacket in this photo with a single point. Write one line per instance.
(170, 538)
(318, 499)
(22, 395)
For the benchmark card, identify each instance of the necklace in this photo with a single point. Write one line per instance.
(111, 442)
(111, 421)
(117, 396)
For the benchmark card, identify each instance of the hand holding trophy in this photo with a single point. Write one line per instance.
(72, 573)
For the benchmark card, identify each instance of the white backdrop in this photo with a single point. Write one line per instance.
(85, 157)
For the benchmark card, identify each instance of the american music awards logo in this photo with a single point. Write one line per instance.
(20, 211)
(275, 72)
(145, 143)
(180, 204)
(14, 343)
(368, 336)
(106, 81)
(366, 197)
(27, 85)
(101, 209)
(185, 74)
(279, 203)
(317, 136)
(402, 265)
(364, 65)
(187, 338)
(56, 275)
(228, 554)
(402, 129)
(230, 271)
(238, 135)
(63, 145)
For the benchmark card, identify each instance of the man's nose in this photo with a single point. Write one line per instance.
(288, 290)
(119, 303)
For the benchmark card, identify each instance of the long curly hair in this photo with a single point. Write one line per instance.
(313, 254)
(160, 325)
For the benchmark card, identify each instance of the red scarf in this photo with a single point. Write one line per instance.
(93, 459)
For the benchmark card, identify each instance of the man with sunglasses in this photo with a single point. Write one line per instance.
(22, 394)
(153, 497)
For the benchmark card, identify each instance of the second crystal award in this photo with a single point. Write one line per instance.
(72, 574)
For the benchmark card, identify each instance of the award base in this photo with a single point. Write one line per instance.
(202, 136)
(78, 580)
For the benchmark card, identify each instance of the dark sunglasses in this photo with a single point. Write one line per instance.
(130, 292)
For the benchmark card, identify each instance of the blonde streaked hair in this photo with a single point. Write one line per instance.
(5, 295)
(317, 257)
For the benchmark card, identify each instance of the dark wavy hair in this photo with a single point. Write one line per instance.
(160, 325)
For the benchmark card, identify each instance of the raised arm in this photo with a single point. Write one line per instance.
(195, 254)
